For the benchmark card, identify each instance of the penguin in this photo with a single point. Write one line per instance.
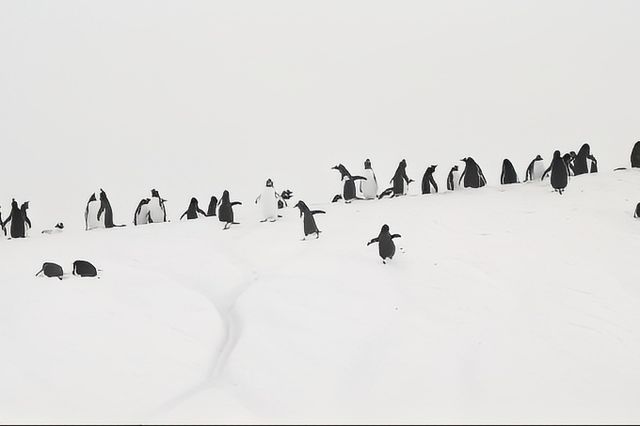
(386, 247)
(91, 214)
(398, 180)
(580, 162)
(269, 202)
(213, 203)
(509, 174)
(56, 229)
(23, 209)
(559, 173)
(51, 270)
(225, 211)
(635, 155)
(309, 222)
(82, 268)
(18, 225)
(369, 186)
(105, 207)
(349, 188)
(568, 161)
(141, 216)
(637, 214)
(472, 174)
(193, 210)
(428, 181)
(157, 209)
(4, 230)
(284, 197)
(594, 164)
(453, 178)
(535, 169)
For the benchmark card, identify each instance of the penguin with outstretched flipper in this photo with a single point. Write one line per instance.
(309, 223)
(225, 210)
(386, 246)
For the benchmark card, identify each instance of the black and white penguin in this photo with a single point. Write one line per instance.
(213, 205)
(580, 162)
(472, 174)
(51, 270)
(56, 229)
(535, 169)
(568, 161)
(82, 268)
(284, 197)
(428, 181)
(193, 210)
(18, 225)
(225, 212)
(141, 215)
(308, 221)
(508, 175)
(349, 187)
(453, 179)
(27, 223)
(594, 164)
(635, 155)
(369, 186)
(637, 214)
(269, 202)
(157, 208)
(559, 173)
(91, 214)
(105, 208)
(386, 247)
(398, 180)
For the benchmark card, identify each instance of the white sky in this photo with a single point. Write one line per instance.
(194, 97)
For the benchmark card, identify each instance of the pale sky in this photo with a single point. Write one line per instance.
(194, 97)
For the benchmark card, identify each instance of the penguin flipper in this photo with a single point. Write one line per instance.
(396, 236)
(318, 212)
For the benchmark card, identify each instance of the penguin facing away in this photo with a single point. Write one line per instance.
(386, 246)
(580, 162)
(213, 204)
(535, 169)
(18, 225)
(309, 223)
(428, 182)
(453, 178)
(269, 202)
(559, 173)
(635, 155)
(193, 210)
(105, 208)
(225, 211)
(369, 186)
(349, 186)
(508, 175)
(472, 174)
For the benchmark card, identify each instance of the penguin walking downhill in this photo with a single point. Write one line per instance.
(213, 204)
(635, 155)
(428, 182)
(398, 180)
(509, 174)
(269, 202)
(535, 169)
(225, 212)
(453, 179)
(559, 173)
(369, 186)
(386, 246)
(349, 187)
(17, 219)
(193, 210)
(472, 174)
(308, 220)
(156, 207)
(105, 208)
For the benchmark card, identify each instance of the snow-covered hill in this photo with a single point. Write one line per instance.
(508, 304)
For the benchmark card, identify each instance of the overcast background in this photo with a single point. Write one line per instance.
(194, 97)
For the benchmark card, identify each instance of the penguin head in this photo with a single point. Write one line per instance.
(454, 168)
(155, 193)
(25, 205)
(194, 201)
(385, 228)
(556, 155)
(302, 206)
(585, 149)
(538, 158)
(14, 203)
(60, 225)
(367, 164)
(344, 173)
(269, 183)
(403, 163)
(465, 160)
(225, 195)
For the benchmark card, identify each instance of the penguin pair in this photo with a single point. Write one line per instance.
(508, 175)
(349, 186)
(20, 222)
(150, 210)
(308, 221)
(386, 246)
(559, 173)
(472, 174)
(81, 268)
(99, 214)
(269, 202)
(398, 180)
(428, 183)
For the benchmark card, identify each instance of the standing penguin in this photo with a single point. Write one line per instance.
(141, 216)
(594, 164)
(453, 179)
(580, 162)
(637, 214)
(472, 174)
(568, 160)
(16, 218)
(509, 174)
(349, 188)
(559, 173)
(386, 247)
(269, 201)
(428, 181)
(225, 212)
(213, 204)
(369, 186)
(308, 221)
(27, 223)
(635, 155)
(398, 180)
(157, 209)
(105, 207)
(535, 169)
(284, 197)
(193, 210)
(91, 220)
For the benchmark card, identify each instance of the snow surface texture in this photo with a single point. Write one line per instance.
(510, 303)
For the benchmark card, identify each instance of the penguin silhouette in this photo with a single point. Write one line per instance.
(308, 221)
(369, 186)
(82, 268)
(452, 179)
(51, 270)
(509, 174)
(386, 247)
(428, 181)
(213, 203)
(535, 169)
(16, 218)
(225, 212)
(349, 187)
(637, 214)
(559, 173)
(580, 162)
(594, 164)
(472, 174)
(193, 210)
(635, 155)
(4, 230)
(398, 180)
(23, 210)
(105, 207)
(141, 215)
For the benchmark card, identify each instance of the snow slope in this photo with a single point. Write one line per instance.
(508, 304)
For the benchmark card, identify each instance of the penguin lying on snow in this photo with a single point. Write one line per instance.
(309, 222)
(51, 270)
(225, 212)
(349, 188)
(193, 210)
(56, 229)
(386, 247)
(82, 268)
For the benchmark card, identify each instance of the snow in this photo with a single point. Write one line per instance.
(508, 304)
